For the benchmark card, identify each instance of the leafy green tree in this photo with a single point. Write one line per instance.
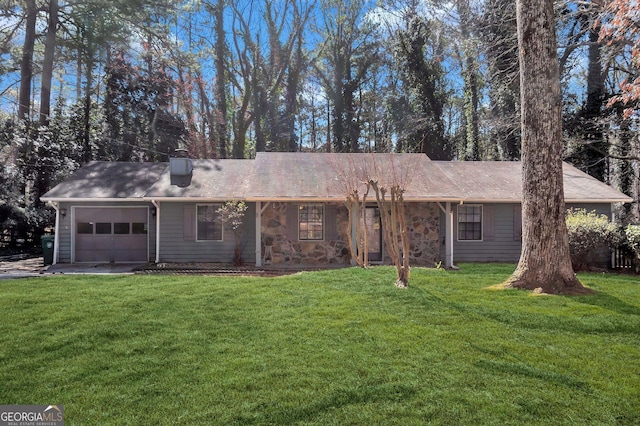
(498, 34)
(423, 93)
(138, 110)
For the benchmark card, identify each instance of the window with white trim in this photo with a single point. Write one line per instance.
(311, 222)
(470, 222)
(208, 223)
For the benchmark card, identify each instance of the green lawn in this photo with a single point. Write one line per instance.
(337, 347)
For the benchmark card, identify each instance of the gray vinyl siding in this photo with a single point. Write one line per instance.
(174, 247)
(64, 237)
(65, 229)
(604, 209)
(505, 245)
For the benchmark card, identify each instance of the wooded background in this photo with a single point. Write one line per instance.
(132, 80)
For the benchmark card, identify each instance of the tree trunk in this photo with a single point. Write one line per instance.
(47, 64)
(43, 173)
(469, 67)
(26, 64)
(545, 261)
(221, 82)
(394, 232)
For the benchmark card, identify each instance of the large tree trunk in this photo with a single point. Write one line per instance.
(26, 64)
(469, 66)
(545, 261)
(47, 64)
(43, 173)
(221, 80)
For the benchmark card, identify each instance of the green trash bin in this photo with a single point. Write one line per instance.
(47, 249)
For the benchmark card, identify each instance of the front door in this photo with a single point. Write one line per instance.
(374, 233)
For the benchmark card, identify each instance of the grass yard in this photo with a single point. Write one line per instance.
(337, 347)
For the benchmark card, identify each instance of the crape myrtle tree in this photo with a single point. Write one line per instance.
(386, 178)
(353, 178)
(545, 261)
(389, 181)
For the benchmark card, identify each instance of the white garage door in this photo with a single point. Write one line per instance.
(104, 234)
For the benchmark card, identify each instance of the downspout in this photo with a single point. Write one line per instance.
(56, 234)
(157, 206)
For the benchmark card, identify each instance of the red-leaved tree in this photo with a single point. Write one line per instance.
(619, 26)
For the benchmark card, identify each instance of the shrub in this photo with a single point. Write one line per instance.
(631, 245)
(632, 237)
(590, 235)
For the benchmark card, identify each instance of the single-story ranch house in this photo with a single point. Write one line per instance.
(166, 212)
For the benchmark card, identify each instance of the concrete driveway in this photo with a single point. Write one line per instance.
(34, 267)
(19, 268)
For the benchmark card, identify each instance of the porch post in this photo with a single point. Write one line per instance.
(56, 235)
(258, 233)
(156, 204)
(448, 245)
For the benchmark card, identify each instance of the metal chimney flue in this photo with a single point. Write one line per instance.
(181, 168)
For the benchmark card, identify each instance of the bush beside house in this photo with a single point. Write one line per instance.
(591, 236)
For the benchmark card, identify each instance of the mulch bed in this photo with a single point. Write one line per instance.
(218, 269)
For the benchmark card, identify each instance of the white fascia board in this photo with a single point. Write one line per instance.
(566, 200)
(599, 200)
(91, 200)
(295, 199)
(193, 199)
(431, 200)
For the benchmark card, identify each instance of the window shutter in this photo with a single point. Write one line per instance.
(330, 225)
(517, 222)
(488, 223)
(189, 229)
(292, 222)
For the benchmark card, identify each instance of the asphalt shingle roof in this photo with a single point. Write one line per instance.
(319, 176)
(501, 181)
(212, 179)
(107, 179)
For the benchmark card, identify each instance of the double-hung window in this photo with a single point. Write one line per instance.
(310, 221)
(470, 222)
(208, 223)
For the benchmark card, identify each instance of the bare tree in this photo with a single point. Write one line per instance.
(389, 181)
(353, 177)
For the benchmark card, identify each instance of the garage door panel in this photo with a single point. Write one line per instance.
(139, 255)
(138, 242)
(113, 238)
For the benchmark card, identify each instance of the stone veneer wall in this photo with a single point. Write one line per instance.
(423, 220)
(285, 251)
